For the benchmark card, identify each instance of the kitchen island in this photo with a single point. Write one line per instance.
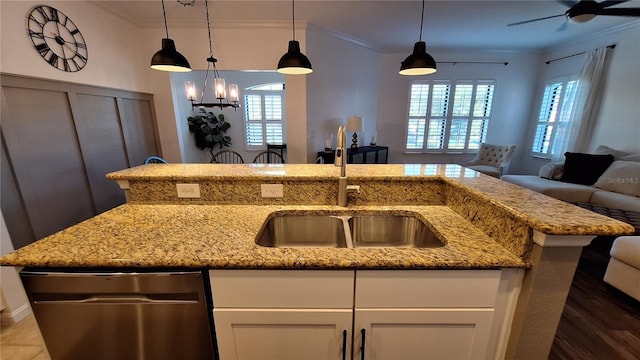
(532, 241)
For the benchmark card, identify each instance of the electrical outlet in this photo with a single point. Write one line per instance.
(188, 190)
(272, 190)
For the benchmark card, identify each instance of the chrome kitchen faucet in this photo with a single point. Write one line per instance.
(341, 161)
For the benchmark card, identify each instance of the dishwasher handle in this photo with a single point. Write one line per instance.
(191, 298)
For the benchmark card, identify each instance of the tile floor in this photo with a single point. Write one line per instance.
(22, 341)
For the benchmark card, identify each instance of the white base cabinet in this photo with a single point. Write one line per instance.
(407, 334)
(292, 334)
(396, 314)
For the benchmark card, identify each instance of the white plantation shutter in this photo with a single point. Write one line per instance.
(264, 117)
(555, 111)
(445, 117)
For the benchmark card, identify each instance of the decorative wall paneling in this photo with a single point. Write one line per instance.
(58, 141)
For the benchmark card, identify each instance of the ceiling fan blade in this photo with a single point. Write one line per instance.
(620, 12)
(608, 3)
(562, 27)
(532, 20)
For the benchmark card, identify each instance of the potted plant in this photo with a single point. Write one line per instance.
(209, 130)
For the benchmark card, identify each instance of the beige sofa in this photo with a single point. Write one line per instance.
(617, 188)
(623, 270)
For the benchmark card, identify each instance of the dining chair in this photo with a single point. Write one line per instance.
(268, 157)
(227, 157)
(154, 160)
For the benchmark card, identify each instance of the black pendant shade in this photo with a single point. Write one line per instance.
(169, 59)
(294, 62)
(419, 62)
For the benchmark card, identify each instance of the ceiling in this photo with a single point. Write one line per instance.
(389, 26)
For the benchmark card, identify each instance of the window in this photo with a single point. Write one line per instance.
(447, 116)
(264, 115)
(555, 112)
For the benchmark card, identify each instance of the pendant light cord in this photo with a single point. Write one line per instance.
(293, 17)
(206, 6)
(421, 20)
(164, 14)
(211, 61)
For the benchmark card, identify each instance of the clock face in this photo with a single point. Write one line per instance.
(57, 39)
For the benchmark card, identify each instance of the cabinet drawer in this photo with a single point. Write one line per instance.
(282, 289)
(426, 288)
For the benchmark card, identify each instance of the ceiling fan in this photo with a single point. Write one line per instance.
(585, 10)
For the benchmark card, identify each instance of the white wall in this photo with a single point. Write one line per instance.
(113, 45)
(344, 83)
(618, 123)
(511, 104)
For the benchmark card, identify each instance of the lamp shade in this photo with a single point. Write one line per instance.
(419, 62)
(294, 62)
(354, 123)
(169, 59)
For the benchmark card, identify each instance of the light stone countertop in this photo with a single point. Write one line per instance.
(223, 236)
(484, 221)
(538, 211)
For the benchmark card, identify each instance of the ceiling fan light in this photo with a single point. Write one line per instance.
(582, 18)
(419, 62)
(294, 62)
(169, 59)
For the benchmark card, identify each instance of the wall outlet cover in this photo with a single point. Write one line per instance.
(272, 190)
(188, 190)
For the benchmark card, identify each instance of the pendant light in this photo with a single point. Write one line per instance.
(419, 62)
(168, 58)
(294, 62)
(219, 87)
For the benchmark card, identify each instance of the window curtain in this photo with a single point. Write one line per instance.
(583, 115)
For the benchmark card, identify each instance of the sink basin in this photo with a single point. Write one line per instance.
(346, 231)
(289, 231)
(391, 231)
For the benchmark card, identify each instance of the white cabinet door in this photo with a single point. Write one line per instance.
(283, 334)
(404, 334)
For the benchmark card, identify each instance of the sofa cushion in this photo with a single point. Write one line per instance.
(627, 250)
(584, 169)
(615, 200)
(621, 177)
(557, 189)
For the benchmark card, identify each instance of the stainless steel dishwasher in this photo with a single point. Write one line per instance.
(122, 315)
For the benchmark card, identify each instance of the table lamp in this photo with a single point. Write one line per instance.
(354, 123)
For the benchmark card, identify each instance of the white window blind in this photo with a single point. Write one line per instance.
(448, 116)
(555, 112)
(264, 117)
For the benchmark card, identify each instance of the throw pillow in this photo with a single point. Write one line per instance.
(551, 171)
(604, 149)
(584, 169)
(621, 177)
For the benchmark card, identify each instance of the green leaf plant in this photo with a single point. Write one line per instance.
(209, 130)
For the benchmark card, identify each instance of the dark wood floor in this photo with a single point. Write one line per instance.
(598, 321)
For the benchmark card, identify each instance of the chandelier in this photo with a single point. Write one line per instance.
(219, 86)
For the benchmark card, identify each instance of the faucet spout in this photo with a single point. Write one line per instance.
(341, 161)
(341, 156)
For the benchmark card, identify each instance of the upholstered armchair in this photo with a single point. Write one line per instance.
(492, 160)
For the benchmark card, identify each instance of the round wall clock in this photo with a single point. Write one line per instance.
(57, 39)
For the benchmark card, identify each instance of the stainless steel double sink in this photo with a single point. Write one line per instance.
(337, 230)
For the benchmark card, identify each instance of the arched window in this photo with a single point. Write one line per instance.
(264, 115)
